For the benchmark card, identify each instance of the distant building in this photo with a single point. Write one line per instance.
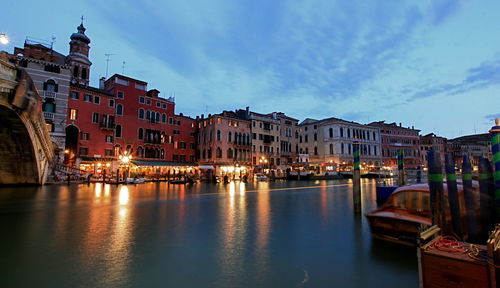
(474, 146)
(224, 144)
(432, 142)
(328, 142)
(394, 137)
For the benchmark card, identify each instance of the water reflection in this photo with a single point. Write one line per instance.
(261, 234)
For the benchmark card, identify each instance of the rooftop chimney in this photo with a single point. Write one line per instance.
(101, 82)
(400, 124)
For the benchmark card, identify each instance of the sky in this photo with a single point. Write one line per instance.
(431, 64)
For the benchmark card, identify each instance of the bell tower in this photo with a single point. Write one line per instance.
(78, 56)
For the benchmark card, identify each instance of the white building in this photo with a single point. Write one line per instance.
(328, 143)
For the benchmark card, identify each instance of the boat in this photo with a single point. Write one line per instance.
(304, 175)
(406, 212)
(261, 177)
(135, 180)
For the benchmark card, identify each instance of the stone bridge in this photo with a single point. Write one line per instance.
(26, 149)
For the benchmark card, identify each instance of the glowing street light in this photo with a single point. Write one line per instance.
(4, 40)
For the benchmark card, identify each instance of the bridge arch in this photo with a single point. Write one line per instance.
(18, 158)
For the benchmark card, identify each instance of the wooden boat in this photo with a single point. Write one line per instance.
(406, 212)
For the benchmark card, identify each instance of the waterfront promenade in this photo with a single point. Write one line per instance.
(260, 234)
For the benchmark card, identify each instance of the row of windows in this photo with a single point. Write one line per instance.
(90, 98)
(143, 100)
(266, 149)
(266, 126)
(236, 154)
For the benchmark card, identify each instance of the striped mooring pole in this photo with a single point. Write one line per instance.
(495, 149)
(401, 168)
(472, 230)
(356, 178)
(486, 196)
(451, 184)
(436, 189)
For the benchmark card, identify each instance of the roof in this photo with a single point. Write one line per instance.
(391, 125)
(126, 78)
(161, 163)
(486, 137)
(93, 89)
(309, 121)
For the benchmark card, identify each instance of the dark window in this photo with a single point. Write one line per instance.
(330, 132)
(95, 117)
(108, 152)
(120, 94)
(74, 95)
(139, 136)
(87, 98)
(84, 151)
(84, 73)
(118, 131)
(97, 100)
(141, 100)
(141, 113)
(119, 109)
(111, 103)
(75, 71)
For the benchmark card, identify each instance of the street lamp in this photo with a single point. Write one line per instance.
(125, 159)
(263, 161)
(4, 40)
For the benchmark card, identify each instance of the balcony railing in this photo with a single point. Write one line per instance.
(49, 94)
(48, 115)
(105, 125)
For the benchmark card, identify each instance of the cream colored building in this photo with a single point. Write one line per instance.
(328, 143)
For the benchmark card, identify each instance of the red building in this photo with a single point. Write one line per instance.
(394, 138)
(184, 137)
(90, 128)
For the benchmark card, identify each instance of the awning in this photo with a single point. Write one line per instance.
(161, 163)
(206, 167)
(97, 159)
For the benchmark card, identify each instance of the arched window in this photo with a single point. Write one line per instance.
(341, 132)
(341, 147)
(331, 149)
(140, 134)
(230, 153)
(157, 120)
(119, 109)
(163, 118)
(148, 115)
(118, 131)
(330, 132)
(218, 135)
(348, 133)
(229, 135)
(218, 152)
(141, 113)
(140, 152)
(315, 136)
(117, 150)
(162, 156)
(50, 85)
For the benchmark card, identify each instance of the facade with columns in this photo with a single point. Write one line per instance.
(328, 142)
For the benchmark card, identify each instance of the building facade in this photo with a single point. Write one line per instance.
(432, 142)
(51, 74)
(328, 143)
(224, 144)
(475, 146)
(394, 138)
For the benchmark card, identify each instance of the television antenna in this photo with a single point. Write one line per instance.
(123, 67)
(107, 62)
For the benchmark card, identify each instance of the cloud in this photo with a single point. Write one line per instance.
(485, 75)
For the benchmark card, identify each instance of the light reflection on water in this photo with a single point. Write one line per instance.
(259, 234)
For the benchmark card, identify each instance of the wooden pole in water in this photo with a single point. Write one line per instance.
(436, 190)
(419, 174)
(495, 149)
(486, 196)
(469, 199)
(356, 178)
(401, 169)
(451, 183)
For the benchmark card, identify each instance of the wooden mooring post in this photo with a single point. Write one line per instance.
(401, 168)
(469, 198)
(436, 190)
(451, 183)
(356, 178)
(486, 197)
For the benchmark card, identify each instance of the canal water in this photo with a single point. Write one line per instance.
(279, 234)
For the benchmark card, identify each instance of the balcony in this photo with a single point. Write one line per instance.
(49, 94)
(48, 115)
(107, 126)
